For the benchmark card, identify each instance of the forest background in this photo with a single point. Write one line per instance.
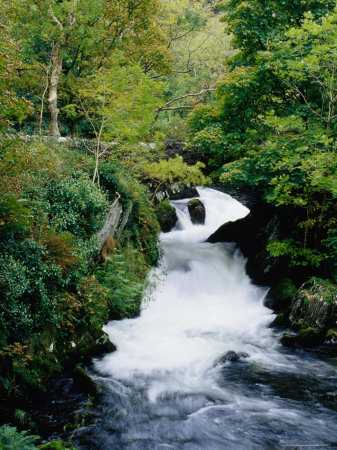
(248, 87)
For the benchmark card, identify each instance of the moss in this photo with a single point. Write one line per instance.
(282, 294)
(309, 337)
(163, 207)
(58, 445)
(299, 325)
(280, 320)
(288, 340)
(194, 202)
(166, 215)
(331, 335)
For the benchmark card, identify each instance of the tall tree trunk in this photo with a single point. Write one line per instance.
(57, 60)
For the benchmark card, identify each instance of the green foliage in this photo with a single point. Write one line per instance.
(124, 275)
(11, 106)
(53, 290)
(14, 216)
(66, 41)
(57, 445)
(120, 100)
(75, 205)
(11, 439)
(298, 255)
(174, 169)
(275, 119)
(254, 24)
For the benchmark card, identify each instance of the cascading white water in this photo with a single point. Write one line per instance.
(204, 305)
(166, 378)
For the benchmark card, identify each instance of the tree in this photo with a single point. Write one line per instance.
(12, 107)
(119, 102)
(296, 165)
(254, 24)
(249, 87)
(79, 36)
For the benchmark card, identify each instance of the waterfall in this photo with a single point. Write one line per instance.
(168, 385)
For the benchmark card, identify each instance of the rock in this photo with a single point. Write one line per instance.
(313, 314)
(288, 340)
(111, 224)
(331, 337)
(83, 382)
(232, 357)
(197, 211)
(57, 445)
(281, 320)
(183, 191)
(281, 295)
(89, 343)
(252, 234)
(167, 216)
(174, 191)
(315, 304)
(103, 345)
(308, 337)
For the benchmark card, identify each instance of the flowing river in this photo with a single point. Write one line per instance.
(169, 385)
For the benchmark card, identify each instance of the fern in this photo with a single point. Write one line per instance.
(20, 416)
(12, 439)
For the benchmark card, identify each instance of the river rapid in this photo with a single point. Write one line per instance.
(169, 386)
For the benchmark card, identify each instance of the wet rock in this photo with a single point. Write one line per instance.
(288, 340)
(83, 381)
(309, 337)
(84, 345)
(252, 234)
(103, 345)
(281, 320)
(232, 357)
(167, 216)
(197, 211)
(331, 337)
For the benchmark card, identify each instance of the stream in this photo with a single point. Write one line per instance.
(170, 384)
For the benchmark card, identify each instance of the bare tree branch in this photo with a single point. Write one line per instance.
(167, 107)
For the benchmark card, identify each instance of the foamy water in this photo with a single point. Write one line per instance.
(167, 385)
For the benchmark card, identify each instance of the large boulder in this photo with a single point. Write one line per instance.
(252, 234)
(167, 216)
(313, 314)
(197, 211)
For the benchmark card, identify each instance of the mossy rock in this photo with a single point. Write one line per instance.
(197, 211)
(194, 202)
(288, 340)
(282, 294)
(309, 337)
(306, 337)
(281, 320)
(167, 216)
(58, 445)
(315, 304)
(83, 381)
(331, 336)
